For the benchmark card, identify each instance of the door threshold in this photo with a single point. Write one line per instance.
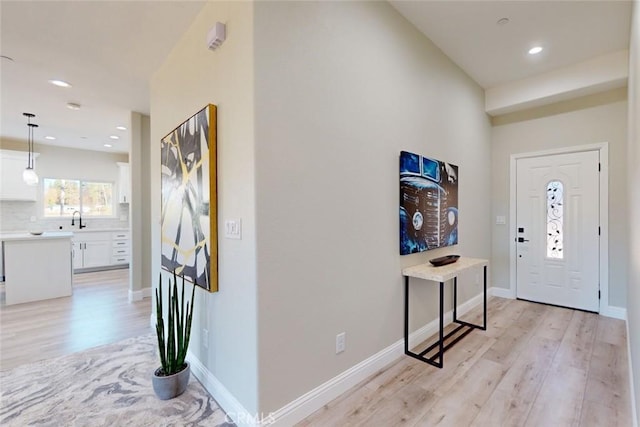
(556, 305)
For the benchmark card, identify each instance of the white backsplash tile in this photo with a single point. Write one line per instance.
(16, 216)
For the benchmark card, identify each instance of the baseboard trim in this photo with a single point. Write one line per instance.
(310, 402)
(102, 268)
(227, 401)
(139, 295)
(502, 292)
(632, 389)
(614, 312)
(315, 399)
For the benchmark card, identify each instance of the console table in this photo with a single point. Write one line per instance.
(442, 274)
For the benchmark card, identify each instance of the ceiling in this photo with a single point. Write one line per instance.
(108, 51)
(493, 54)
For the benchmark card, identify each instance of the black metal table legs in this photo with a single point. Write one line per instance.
(437, 359)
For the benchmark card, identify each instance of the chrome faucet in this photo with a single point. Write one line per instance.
(73, 217)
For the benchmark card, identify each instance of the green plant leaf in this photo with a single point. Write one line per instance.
(174, 334)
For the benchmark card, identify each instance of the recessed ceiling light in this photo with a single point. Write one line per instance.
(121, 128)
(108, 145)
(503, 21)
(535, 50)
(59, 83)
(50, 138)
(73, 105)
(114, 137)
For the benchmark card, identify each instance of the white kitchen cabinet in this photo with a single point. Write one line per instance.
(37, 267)
(1, 262)
(91, 250)
(96, 254)
(12, 187)
(120, 248)
(77, 253)
(124, 183)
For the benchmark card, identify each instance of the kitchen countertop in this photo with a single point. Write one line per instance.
(66, 230)
(95, 230)
(28, 236)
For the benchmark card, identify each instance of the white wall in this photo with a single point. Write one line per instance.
(60, 162)
(602, 123)
(633, 298)
(190, 78)
(341, 89)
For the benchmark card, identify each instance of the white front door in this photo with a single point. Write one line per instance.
(557, 229)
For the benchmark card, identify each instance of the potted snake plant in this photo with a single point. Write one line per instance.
(171, 379)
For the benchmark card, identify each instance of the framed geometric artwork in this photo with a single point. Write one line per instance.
(189, 244)
(428, 203)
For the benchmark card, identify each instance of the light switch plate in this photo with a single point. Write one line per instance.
(233, 229)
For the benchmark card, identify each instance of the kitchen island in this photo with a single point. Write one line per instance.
(37, 267)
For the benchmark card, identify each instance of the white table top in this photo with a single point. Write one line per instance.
(445, 272)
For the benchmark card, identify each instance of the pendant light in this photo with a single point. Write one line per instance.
(29, 174)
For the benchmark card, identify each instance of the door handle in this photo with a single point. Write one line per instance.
(522, 240)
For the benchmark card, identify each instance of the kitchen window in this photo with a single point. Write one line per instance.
(62, 197)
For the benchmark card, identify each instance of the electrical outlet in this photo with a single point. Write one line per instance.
(340, 342)
(205, 338)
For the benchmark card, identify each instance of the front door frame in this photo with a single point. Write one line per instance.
(603, 149)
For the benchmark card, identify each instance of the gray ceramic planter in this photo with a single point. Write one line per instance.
(171, 386)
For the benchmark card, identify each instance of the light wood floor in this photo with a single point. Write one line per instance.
(98, 313)
(535, 366)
